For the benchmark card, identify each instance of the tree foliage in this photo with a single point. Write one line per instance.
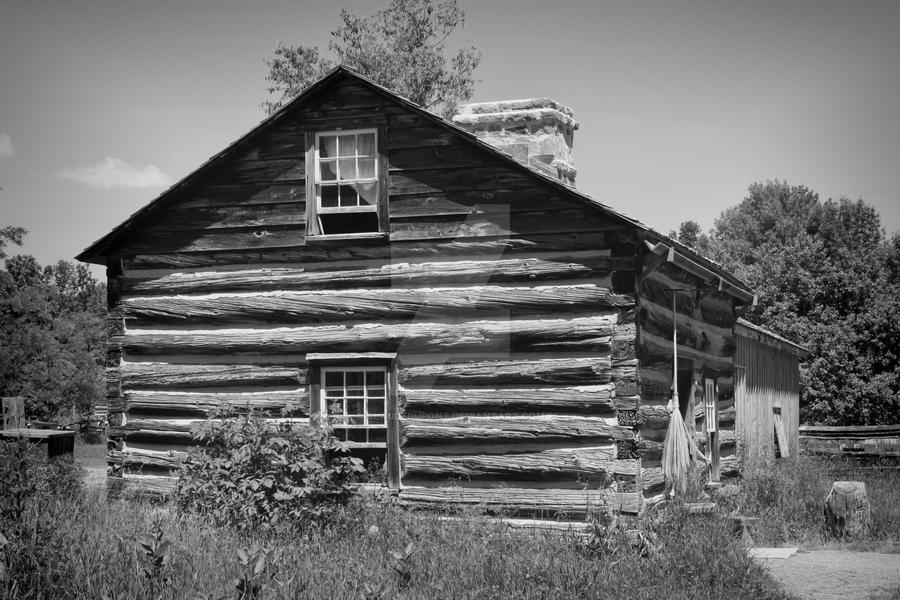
(403, 47)
(51, 336)
(827, 277)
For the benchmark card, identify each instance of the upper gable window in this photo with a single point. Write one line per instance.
(348, 187)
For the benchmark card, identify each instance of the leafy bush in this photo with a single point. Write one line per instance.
(253, 473)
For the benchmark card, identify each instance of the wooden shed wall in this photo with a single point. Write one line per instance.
(705, 320)
(509, 304)
(768, 377)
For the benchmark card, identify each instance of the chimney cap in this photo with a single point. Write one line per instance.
(511, 111)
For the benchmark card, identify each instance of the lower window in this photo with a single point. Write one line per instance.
(353, 397)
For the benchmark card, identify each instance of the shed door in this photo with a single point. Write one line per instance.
(711, 397)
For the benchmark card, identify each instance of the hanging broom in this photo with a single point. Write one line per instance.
(679, 449)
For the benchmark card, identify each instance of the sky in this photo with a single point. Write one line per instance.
(682, 104)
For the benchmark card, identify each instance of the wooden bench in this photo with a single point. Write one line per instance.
(59, 443)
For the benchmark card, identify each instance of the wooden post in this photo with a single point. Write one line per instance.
(13, 412)
(393, 430)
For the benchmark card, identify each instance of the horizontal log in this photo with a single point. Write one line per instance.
(176, 430)
(523, 500)
(694, 329)
(161, 375)
(135, 458)
(517, 370)
(575, 463)
(653, 345)
(587, 333)
(513, 429)
(216, 195)
(502, 223)
(473, 202)
(589, 399)
(202, 240)
(436, 180)
(653, 481)
(290, 307)
(479, 272)
(292, 212)
(296, 402)
(142, 486)
(504, 246)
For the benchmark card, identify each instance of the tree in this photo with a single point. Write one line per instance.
(52, 345)
(403, 47)
(11, 234)
(691, 235)
(825, 276)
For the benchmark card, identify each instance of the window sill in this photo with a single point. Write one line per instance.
(343, 237)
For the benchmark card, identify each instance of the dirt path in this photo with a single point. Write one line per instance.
(836, 574)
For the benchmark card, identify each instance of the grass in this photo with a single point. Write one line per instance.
(367, 554)
(788, 496)
(76, 544)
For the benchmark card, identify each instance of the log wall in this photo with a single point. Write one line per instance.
(705, 321)
(509, 304)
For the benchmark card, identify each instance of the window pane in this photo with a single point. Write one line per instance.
(327, 170)
(336, 407)
(376, 420)
(356, 378)
(375, 378)
(366, 168)
(377, 435)
(376, 406)
(358, 420)
(348, 196)
(334, 378)
(340, 434)
(368, 193)
(366, 144)
(329, 195)
(355, 391)
(347, 145)
(347, 169)
(356, 435)
(327, 146)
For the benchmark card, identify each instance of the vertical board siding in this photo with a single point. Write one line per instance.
(515, 351)
(768, 378)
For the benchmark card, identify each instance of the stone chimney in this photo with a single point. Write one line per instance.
(538, 132)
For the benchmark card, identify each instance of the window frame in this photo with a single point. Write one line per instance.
(367, 427)
(314, 210)
(316, 362)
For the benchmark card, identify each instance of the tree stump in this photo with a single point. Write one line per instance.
(847, 510)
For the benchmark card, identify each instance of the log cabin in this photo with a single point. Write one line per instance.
(438, 288)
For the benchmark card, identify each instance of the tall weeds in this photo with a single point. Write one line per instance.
(788, 496)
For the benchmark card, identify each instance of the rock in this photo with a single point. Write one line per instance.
(847, 510)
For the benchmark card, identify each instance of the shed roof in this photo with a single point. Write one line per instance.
(743, 326)
(99, 251)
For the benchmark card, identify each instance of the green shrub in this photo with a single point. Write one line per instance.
(252, 473)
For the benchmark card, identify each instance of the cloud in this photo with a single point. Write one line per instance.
(112, 173)
(6, 147)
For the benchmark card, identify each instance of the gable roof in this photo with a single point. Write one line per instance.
(99, 250)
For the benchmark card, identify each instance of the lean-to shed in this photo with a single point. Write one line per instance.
(438, 288)
(767, 392)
